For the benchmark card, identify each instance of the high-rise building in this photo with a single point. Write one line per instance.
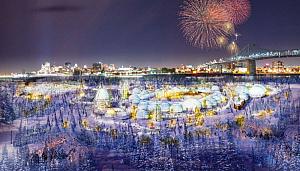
(45, 68)
(97, 67)
(111, 67)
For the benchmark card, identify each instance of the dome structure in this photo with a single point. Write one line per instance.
(217, 97)
(274, 91)
(215, 88)
(152, 105)
(102, 95)
(213, 102)
(142, 114)
(244, 96)
(143, 105)
(257, 91)
(136, 91)
(191, 104)
(209, 104)
(144, 96)
(152, 94)
(102, 99)
(165, 107)
(160, 93)
(210, 101)
(135, 99)
(176, 108)
(123, 115)
(110, 113)
(241, 89)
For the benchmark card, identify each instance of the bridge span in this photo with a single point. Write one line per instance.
(250, 54)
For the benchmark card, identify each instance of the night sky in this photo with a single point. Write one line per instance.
(126, 32)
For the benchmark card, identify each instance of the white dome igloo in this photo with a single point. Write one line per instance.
(176, 108)
(215, 88)
(135, 99)
(257, 91)
(217, 96)
(153, 105)
(145, 96)
(165, 107)
(143, 105)
(136, 91)
(241, 89)
(102, 95)
(209, 104)
(210, 101)
(191, 104)
(110, 113)
(244, 96)
(142, 114)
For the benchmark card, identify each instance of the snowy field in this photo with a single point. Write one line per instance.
(140, 125)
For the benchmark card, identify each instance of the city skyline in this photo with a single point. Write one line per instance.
(137, 33)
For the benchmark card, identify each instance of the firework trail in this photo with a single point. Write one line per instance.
(210, 23)
(205, 23)
(233, 48)
(238, 10)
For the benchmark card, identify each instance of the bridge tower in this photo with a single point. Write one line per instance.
(251, 67)
(250, 62)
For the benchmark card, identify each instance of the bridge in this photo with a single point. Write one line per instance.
(252, 53)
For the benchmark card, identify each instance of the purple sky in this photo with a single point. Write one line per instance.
(128, 32)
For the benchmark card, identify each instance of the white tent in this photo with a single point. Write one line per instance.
(257, 91)
(135, 99)
(191, 104)
(215, 88)
(176, 108)
(136, 91)
(142, 114)
(102, 95)
(143, 105)
(241, 89)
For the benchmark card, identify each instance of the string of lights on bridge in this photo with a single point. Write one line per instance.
(259, 56)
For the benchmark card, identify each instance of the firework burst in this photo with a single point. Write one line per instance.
(204, 22)
(222, 41)
(233, 48)
(239, 10)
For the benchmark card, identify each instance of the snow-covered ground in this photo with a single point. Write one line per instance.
(72, 123)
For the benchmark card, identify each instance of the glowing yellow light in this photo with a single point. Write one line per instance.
(85, 123)
(229, 27)
(190, 119)
(65, 124)
(240, 120)
(233, 48)
(211, 113)
(98, 128)
(133, 113)
(197, 110)
(151, 125)
(172, 123)
(222, 41)
(81, 94)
